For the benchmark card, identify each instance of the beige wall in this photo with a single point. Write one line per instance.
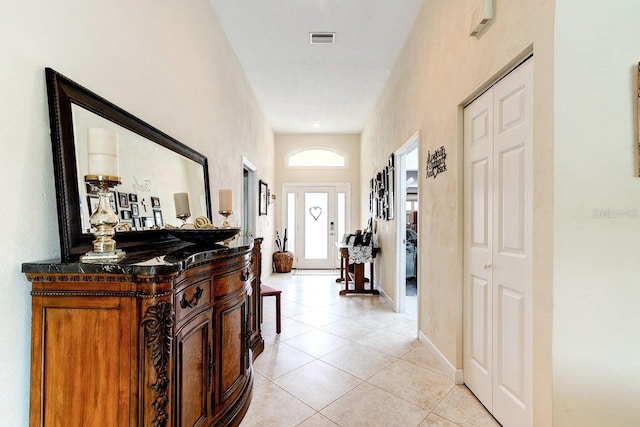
(438, 71)
(168, 63)
(345, 144)
(596, 308)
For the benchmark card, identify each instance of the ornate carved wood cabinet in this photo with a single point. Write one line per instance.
(159, 340)
(255, 340)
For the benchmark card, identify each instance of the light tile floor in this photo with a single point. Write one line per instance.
(350, 361)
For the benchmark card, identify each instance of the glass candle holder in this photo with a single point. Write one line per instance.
(104, 220)
(226, 215)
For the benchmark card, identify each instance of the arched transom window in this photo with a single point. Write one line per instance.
(316, 158)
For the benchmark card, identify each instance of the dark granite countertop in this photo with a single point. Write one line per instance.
(150, 261)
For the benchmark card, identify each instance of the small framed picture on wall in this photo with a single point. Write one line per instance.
(157, 216)
(113, 201)
(123, 200)
(262, 200)
(92, 204)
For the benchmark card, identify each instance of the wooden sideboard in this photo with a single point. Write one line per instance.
(162, 339)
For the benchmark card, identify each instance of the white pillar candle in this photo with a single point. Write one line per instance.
(181, 201)
(102, 147)
(225, 201)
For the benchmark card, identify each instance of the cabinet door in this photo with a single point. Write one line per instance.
(231, 346)
(253, 308)
(81, 361)
(254, 301)
(194, 370)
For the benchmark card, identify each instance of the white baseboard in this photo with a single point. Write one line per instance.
(382, 292)
(454, 374)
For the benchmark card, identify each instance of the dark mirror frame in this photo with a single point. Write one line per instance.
(62, 93)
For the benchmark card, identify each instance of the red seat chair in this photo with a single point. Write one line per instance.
(266, 291)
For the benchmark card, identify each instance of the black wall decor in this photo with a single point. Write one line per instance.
(390, 169)
(263, 199)
(436, 162)
(381, 192)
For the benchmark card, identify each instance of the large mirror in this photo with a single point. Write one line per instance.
(153, 167)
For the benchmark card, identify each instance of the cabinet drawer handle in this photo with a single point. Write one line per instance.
(184, 303)
(245, 275)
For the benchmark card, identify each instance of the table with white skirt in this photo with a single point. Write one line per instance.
(354, 258)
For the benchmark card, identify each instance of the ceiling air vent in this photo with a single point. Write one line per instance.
(321, 38)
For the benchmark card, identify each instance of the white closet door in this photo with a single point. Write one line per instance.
(513, 190)
(478, 284)
(498, 219)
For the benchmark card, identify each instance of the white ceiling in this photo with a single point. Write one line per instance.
(298, 84)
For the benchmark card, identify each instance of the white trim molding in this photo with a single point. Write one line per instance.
(456, 375)
(382, 292)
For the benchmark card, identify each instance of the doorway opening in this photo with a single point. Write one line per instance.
(407, 227)
(249, 194)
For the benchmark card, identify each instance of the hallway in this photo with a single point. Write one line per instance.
(349, 361)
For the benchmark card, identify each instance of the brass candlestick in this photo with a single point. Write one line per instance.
(226, 215)
(183, 217)
(104, 220)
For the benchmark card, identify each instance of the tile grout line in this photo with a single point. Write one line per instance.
(359, 310)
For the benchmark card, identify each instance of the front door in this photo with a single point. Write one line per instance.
(316, 227)
(315, 217)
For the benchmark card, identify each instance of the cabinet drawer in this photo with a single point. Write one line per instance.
(192, 298)
(232, 282)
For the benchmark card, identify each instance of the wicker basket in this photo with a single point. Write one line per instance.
(283, 262)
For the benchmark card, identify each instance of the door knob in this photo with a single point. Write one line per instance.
(486, 266)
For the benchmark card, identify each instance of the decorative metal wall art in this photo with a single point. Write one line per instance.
(436, 162)
(315, 212)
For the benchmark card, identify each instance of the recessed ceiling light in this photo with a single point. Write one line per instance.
(316, 125)
(322, 38)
